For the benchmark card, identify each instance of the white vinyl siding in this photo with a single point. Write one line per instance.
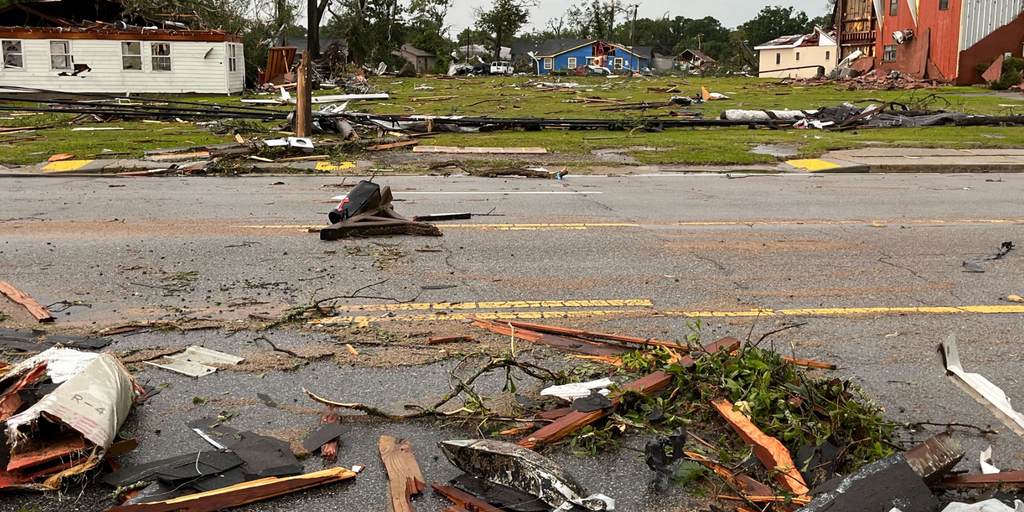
(160, 55)
(131, 55)
(198, 66)
(982, 17)
(13, 54)
(60, 55)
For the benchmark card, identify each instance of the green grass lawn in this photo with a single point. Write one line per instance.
(511, 97)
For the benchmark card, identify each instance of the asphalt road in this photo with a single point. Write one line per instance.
(635, 254)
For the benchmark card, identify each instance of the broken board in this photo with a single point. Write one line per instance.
(34, 308)
(459, 150)
(404, 473)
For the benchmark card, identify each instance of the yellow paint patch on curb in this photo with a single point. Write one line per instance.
(64, 166)
(812, 164)
(328, 166)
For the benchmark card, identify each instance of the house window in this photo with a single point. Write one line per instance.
(548, 62)
(232, 57)
(13, 56)
(889, 52)
(798, 56)
(943, 5)
(828, 54)
(591, 61)
(778, 59)
(131, 55)
(894, 7)
(60, 54)
(160, 53)
(572, 62)
(618, 63)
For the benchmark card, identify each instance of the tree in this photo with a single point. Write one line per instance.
(502, 22)
(773, 22)
(374, 28)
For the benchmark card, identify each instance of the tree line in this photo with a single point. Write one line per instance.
(375, 28)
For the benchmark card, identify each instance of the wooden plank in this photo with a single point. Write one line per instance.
(740, 480)
(464, 499)
(591, 334)
(992, 480)
(570, 344)
(810, 364)
(768, 450)
(647, 385)
(279, 60)
(459, 150)
(329, 451)
(935, 457)
(38, 452)
(382, 147)
(241, 494)
(303, 99)
(449, 339)
(404, 475)
(34, 308)
(11, 402)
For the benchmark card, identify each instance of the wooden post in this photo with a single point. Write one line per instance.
(304, 101)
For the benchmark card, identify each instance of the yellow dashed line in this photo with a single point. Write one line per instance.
(517, 304)
(66, 165)
(557, 226)
(535, 315)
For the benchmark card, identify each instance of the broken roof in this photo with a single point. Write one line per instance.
(800, 40)
(689, 55)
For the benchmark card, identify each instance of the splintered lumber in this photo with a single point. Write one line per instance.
(464, 499)
(742, 481)
(329, 451)
(241, 494)
(576, 420)
(809, 364)
(458, 150)
(590, 334)
(437, 340)
(1010, 478)
(768, 450)
(381, 147)
(570, 344)
(34, 308)
(648, 385)
(935, 457)
(404, 476)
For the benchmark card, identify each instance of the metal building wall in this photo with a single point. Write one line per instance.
(982, 17)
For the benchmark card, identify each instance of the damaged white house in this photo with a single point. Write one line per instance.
(57, 47)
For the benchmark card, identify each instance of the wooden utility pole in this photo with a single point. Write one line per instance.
(312, 28)
(304, 99)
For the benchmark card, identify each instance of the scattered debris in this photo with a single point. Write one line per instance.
(195, 361)
(768, 450)
(403, 472)
(478, 150)
(434, 217)
(323, 434)
(881, 485)
(34, 308)
(664, 454)
(377, 218)
(974, 265)
(576, 390)
(450, 339)
(524, 470)
(979, 388)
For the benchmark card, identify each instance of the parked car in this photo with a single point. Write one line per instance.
(501, 68)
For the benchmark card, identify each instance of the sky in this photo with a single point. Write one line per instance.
(730, 12)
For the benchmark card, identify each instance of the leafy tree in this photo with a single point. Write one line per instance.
(373, 28)
(502, 21)
(773, 22)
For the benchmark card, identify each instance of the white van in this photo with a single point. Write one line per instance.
(501, 68)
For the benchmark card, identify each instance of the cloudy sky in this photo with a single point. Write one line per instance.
(729, 12)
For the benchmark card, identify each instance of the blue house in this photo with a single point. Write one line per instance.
(569, 54)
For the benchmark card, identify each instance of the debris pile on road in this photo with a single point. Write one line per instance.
(61, 411)
(366, 211)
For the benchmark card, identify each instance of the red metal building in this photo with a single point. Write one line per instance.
(933, 39)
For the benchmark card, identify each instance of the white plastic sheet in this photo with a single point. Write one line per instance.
(983, 391)
(576, 390)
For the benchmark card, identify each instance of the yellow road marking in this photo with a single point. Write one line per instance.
(363, 321)
(514, 304)
(812, 164)
(327, 166)
(66, 165)
(589, 225)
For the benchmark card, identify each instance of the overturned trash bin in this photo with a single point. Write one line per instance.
(522, 469)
